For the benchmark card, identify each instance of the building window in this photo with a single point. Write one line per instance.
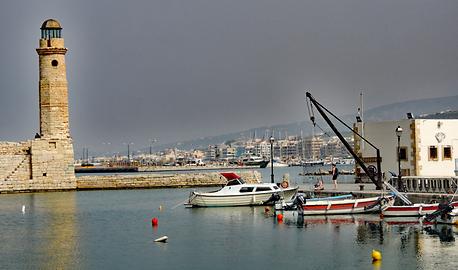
(54, 63)
(403, 154)
(447, 152)
(432, 153)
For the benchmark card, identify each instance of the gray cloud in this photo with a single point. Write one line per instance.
(176, 70)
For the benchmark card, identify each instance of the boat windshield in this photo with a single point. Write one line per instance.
(233, 182)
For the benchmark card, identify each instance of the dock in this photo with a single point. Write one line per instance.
(367, 190)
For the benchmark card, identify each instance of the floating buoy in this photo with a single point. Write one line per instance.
(376, 255)
(266, 210)
(162, 239)
(160, 207)
(23, 209)
(279, 217)
(154, 221)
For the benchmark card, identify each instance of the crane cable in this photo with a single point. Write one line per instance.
(310, 110)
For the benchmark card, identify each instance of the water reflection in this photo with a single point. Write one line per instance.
(49, 219)
(112, 230)
(443, 231)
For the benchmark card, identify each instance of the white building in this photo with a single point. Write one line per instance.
(429, 147)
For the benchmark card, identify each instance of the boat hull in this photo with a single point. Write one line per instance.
(331, 206)
(249, 199)
(451, 218)
(419, 209)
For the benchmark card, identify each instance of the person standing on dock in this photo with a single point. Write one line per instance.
(335, 174)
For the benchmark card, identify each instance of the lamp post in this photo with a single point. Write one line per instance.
(398, 134)
(271, 140)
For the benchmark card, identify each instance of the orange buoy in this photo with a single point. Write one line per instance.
(279, 217)
(154, 221)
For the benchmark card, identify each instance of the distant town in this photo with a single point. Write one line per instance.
(292, 150)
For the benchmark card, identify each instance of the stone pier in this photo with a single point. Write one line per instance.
(181, 180)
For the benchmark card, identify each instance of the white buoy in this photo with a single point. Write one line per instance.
(162, 239)
(23, 209)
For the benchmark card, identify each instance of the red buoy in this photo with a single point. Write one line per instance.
(154, 221)
(279, 217)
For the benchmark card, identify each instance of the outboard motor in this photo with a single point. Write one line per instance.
(443, 211)
(299, 201)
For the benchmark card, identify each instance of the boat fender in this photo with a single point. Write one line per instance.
(284, 184)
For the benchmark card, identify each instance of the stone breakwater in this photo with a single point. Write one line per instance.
(159, 180)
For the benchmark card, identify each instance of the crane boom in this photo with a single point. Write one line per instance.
(321, 109)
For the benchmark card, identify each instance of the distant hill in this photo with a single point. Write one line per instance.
(442, 108)
(416, 107)
(441, 115)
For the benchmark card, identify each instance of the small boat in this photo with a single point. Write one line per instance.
(342, 205)
(277, 164)
(418, 209)
(313, 163)
(252, 160)
(238, 193)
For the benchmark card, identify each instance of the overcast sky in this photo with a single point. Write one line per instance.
(181, 69)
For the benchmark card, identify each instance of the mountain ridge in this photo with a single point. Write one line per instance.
(442, 108)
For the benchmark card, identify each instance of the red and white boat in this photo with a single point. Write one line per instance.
(418, 209)
(333, 206)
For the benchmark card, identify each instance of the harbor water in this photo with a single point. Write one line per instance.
(112, 230)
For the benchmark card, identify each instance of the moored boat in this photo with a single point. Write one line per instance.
(448, 218)
(447, 213)
(238, 193)
(346, 205)
(418, 209)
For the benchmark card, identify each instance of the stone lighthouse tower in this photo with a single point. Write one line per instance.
(52, 153)
(53, 82)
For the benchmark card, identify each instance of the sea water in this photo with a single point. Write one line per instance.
(112, 230)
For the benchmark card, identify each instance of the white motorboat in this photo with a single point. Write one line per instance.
(238, 193)
(277, 164)
(252, 160)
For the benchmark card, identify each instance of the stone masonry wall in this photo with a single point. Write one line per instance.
(52, 165)
(14, 165)
(36, 165)
(159, 180)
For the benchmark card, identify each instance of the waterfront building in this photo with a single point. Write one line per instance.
(45, 162)
(428, 147)
(262, 149)
(227, 153)
(313, 147)
(335, 148)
